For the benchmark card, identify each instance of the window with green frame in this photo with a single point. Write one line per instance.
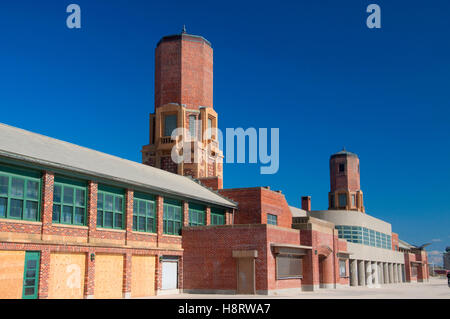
(217, 216)
(110, 207)
(272, 219)
(20, 193)
(197, 215)
(172, 217)
(69, 201)
(144, 213)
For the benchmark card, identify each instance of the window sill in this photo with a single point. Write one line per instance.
(173, 236)
(144, 233)
(293, 277)
(70, 226)
(19, 221)
(111, 229)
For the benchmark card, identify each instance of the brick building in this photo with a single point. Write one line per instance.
(77, 223)
(271, 248)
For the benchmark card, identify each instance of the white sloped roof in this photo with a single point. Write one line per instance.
(403, 244)
(23, 145)
(297, 212)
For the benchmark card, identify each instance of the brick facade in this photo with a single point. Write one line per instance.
(256, 203)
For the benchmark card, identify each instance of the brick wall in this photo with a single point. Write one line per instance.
(184, 72)
(394, 241)
(210, 248)
(47, 238)
(255, 203)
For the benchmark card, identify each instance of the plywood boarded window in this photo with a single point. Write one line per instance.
(143, 276)
(108, 276)
(67, 276)
(289, 266)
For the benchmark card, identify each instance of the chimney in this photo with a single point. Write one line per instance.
(306, 203)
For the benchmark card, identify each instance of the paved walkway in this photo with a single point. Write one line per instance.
(434, 289)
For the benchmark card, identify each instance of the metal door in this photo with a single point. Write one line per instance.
(169, 274)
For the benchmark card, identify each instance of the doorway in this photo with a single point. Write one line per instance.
(169, 274)
(246, 276)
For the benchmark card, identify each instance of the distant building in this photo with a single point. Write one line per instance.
(374, 248)
(447, 258)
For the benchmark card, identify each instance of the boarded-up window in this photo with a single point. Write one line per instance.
(414, 270)
(289, 266)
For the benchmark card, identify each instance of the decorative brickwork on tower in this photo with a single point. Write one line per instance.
(184, 99)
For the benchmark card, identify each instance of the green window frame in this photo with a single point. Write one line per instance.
(217, 216)
(144, 213)
(110, 207)
(172, 217)
(69, 202)
(31, 275)
(170, 124)
(197, 215)
(342, 200)
(272, 219)
(20, 194)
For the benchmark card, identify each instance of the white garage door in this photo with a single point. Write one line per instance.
(169, 274)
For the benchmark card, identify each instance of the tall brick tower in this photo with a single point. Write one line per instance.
(184, 99)
(345, 192)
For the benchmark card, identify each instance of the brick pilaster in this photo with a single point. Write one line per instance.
(127, 275)
(159, 217)
(47, 203)
(158, 274)
(208, 215)
(180, 273)
(44, 273)
(89, 276)
(185, 214)
(129, 213)
(92, 208)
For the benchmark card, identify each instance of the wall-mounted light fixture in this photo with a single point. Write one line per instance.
(92, 256)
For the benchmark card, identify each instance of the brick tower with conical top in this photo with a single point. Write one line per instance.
(184, 99)
(345, 191)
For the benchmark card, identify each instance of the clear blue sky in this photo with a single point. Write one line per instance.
(311, 68)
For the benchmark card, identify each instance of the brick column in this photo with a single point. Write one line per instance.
(89, 276)
(92, 209)
(208, 215)
(180, 274)
(158, 275)
(185, 214)
(159, 217)
(129, 196)
(44, 273)
(47, 204)
(127, 275)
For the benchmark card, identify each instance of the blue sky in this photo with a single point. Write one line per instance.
(311, 68)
